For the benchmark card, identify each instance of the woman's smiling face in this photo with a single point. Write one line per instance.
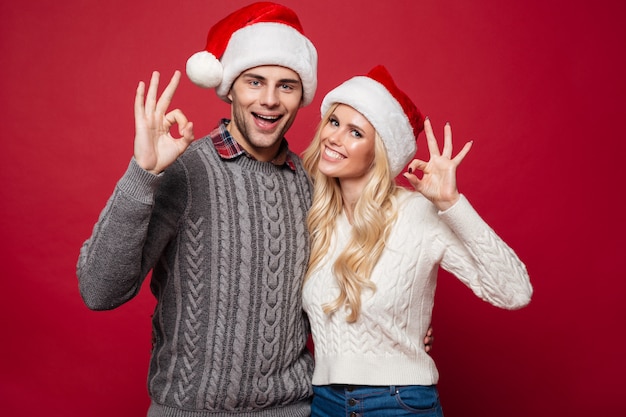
(347, 145)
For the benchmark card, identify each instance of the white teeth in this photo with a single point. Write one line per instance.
(332, 154)
(268, 118)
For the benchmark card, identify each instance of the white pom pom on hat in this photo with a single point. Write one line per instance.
(392, 113)
(204, 70)
(262, 33)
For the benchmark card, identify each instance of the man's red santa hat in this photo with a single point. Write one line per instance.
(262, 33)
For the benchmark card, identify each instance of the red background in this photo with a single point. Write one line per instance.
(538, 85)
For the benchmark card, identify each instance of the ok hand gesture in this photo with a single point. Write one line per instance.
(155, 147)
(438, 182)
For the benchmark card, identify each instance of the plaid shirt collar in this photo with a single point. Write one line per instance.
(228, 148)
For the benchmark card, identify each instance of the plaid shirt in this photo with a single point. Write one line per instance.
(228, 148)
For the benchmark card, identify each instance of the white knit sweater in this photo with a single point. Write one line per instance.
(385, 346)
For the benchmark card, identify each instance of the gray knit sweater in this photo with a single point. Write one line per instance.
(228, 246)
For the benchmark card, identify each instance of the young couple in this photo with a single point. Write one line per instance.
(242, 236)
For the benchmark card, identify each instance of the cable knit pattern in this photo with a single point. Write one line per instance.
(385, 345)
(227, 245)
(191, 330)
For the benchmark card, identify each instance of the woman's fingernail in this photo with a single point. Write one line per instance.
(410, 170)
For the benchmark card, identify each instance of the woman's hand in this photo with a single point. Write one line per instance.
(155, 147)
(438, 182)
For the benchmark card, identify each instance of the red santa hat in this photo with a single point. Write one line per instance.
(392, 113)
(262, 33)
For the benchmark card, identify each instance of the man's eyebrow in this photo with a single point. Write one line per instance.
(281, 81)
(290, 81)
(253, 75)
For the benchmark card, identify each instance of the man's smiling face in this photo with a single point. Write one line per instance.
(265, 102)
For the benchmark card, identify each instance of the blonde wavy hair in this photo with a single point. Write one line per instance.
(374, 214)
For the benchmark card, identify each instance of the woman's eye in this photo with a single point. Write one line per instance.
(356, 134)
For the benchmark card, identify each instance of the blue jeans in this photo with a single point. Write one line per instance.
(374, 401)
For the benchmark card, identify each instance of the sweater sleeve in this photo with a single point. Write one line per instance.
(482, 260)
(115, 260)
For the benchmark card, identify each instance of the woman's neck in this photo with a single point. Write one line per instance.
(350, 193)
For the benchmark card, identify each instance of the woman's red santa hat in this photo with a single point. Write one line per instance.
(262, 33)
(392, 113)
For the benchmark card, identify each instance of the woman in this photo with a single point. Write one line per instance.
(376, 249)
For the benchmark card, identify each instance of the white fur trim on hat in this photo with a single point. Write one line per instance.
(382, 110)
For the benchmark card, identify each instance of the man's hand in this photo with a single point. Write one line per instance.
(155, 147)
(428, 340)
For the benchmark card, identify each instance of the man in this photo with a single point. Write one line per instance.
(221, 224)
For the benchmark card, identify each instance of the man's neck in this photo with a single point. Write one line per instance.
(260, 154)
